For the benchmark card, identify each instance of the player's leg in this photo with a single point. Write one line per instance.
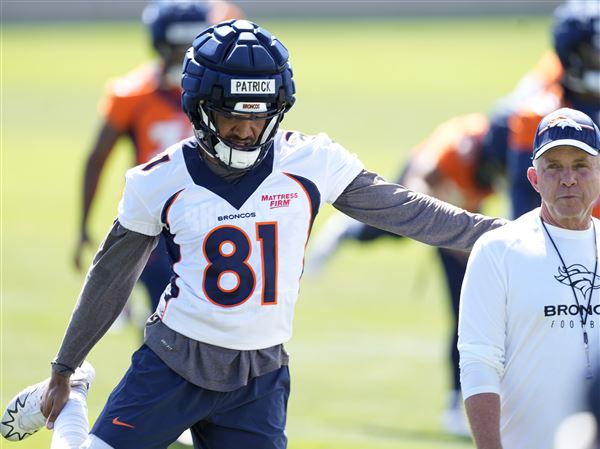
(454, 266)
(335, 231)
(522, 196)
(71, 427)
(23, 416)
(454, 269)
(93, 442)
(340, 228)
(151, 406)
(156, 275)
(326, 242)
(251, 417)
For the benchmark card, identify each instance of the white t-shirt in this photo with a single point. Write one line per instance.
(520, 333)
(237, 249)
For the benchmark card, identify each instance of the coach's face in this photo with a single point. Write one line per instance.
(568, 180)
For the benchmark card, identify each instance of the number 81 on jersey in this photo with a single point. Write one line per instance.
(229, 279)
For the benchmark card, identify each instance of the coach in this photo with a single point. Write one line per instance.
(529, 314)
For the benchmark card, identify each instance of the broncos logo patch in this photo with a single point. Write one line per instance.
(563, 121)
(578, 277)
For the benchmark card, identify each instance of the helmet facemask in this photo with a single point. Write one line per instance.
(576, 36)
(582, 71)
(226, 149)
(171, 56)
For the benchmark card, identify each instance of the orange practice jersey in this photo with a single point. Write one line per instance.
(453, 151)
(549, 70)
(134, 105)
(545, 97)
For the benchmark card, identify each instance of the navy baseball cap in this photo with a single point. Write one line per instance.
(566, 127)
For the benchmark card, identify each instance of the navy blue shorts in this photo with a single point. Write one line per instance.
(153, 405)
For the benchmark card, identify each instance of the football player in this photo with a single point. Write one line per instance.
(144, 106)
(236, 204)
(569, 77)
(443, 166)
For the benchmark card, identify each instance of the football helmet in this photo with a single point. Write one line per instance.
(238, 70)
(173, 25)
(576, 34)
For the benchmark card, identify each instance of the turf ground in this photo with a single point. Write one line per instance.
(368, 354)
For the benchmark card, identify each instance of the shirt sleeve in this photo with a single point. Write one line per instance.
(396, 209)
(134, 212)
(108, 284)
(343, 167)
(482, 323)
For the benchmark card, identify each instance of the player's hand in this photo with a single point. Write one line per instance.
(55, 397)
(84, 240)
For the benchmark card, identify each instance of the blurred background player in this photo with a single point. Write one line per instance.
(145, 106)
(569, 76)
(443, 166)
(582, 430)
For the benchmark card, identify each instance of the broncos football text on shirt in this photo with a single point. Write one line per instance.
(227, 240)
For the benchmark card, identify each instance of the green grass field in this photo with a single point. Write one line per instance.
(368, 354)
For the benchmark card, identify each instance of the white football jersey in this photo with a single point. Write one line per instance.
(237, 249)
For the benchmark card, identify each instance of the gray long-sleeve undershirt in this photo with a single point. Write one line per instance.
(124, 253)
(394, 208)
(107, 286)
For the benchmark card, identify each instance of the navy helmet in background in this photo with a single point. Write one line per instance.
(174, 23)
(576, 35)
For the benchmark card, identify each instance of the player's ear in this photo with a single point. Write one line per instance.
(533, 178)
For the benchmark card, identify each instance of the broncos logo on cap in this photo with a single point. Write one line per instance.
(561, 121)
(564, 121)
(578, 277)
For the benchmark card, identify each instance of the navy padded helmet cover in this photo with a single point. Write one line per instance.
(234, 50)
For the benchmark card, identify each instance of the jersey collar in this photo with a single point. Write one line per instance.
(236, 193)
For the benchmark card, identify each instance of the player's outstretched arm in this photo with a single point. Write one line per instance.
(103, 146)
(116, 267)
(394, 208)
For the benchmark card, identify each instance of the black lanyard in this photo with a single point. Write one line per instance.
(583, 314)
